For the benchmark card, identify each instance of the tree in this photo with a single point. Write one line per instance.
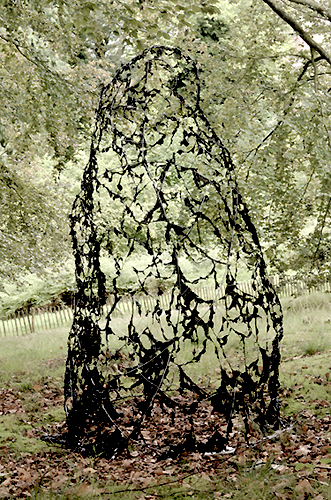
(273, 97)
(54, 57)
(271, 91)
(319, 11)
(33, 221)
(59, 53)
(309, 20)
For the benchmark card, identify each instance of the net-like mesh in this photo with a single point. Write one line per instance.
(176, 325)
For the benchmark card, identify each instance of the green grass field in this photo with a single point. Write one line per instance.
(294, 465)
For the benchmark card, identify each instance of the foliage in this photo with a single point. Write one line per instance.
(271, 107)
(55, 286)
(258, 79)
(318, 17)
(34, 231)
(54, 57)
(58, 53)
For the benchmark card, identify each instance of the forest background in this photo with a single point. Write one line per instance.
(265, 75)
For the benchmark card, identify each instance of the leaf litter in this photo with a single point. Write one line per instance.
(298, 457)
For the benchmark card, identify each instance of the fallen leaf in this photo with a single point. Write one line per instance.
(302, 451)
(304, 487)
(205, 476)
(90, 470)
(6, 482)
(127, 464)
(88, 489)
(4, 493)
(278, 467)
(59, 481)
(146, 481)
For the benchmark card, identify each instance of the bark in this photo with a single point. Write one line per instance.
(320, 9)
(298, 29)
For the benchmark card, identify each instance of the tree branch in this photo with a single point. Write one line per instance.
(36, 62)
(298, 29)
(315, 7)
(285, 112)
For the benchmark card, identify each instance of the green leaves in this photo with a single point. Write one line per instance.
(34, 231)
(54, 56)
(260, 90)
(271, 106)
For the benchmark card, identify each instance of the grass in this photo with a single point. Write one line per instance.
(307, 325)
(30, 356)
(305, 349)
(307, 380)
(32, 368)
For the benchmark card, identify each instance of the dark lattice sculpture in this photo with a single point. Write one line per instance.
(198, 352)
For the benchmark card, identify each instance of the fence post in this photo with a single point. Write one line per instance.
(15, 323)
(3, 326)
(42, 319)
(30, 322)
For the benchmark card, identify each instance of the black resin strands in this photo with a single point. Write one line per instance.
(179, 360)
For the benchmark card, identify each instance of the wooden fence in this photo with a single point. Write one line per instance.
(294, 288)
(47, 318)
(38, 319)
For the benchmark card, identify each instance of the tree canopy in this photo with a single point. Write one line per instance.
(54, 58)
(265, 72)
(274, 100)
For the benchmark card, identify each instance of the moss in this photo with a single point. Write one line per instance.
(305, 382)
(20, 436)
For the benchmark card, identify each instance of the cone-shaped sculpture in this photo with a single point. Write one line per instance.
(194, 340)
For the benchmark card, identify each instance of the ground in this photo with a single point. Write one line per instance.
(295, 463)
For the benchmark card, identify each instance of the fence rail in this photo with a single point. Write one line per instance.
(46, 318)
